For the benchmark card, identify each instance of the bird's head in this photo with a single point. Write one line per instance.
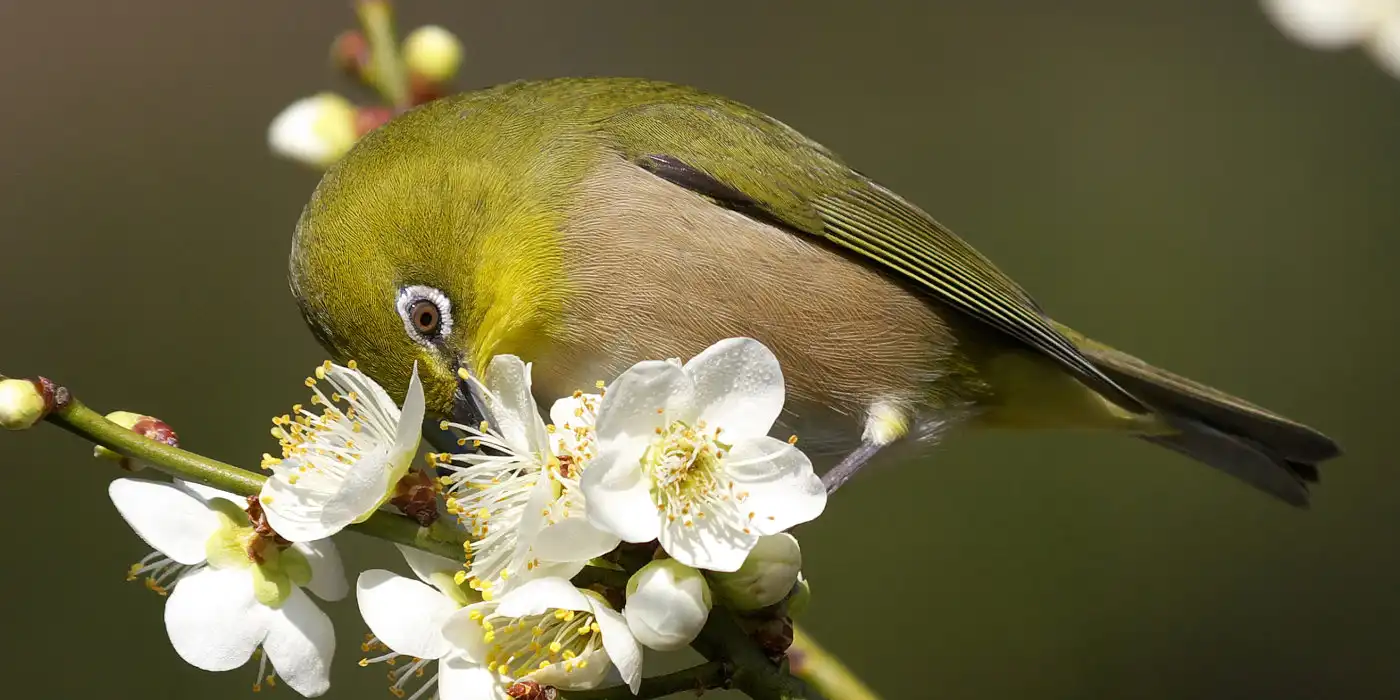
(422, 245)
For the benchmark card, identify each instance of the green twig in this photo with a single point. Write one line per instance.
(707, 676)
(387, 71)
(824, 672)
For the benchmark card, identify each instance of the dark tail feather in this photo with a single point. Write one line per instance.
(1261, 448)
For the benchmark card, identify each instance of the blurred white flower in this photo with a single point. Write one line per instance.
(667, 604)
(1328, 24)
(316, 130)
(521, 499)
(338, 467)
(546, 631)
(235, 590)
(767, 576)
(684, 456)
(1384, 44)
(433, 53)
(406, 619)
(1340, 24)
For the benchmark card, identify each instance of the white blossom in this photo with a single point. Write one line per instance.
(232, 590)
(684, 456)
(545, 630)
(340, 465)
(520, 497)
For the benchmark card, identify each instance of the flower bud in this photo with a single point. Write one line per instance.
(667, 604)
(350, 53)
(433, 52)
(22, 404)
(801, 596)
(766, 577)
(315, 130)
(146, 426)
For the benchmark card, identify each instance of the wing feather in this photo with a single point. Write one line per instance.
(746, 161)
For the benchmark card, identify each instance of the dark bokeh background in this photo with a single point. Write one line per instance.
(1175, 178)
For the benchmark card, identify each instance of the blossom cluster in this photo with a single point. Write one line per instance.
(671, 460)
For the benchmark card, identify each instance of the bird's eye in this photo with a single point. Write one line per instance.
(426, 313)
(425, 317)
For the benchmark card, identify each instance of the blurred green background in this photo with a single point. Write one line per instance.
(1174, 178)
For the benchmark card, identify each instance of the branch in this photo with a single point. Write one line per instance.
(707, 676)
(824, 672)
(754, 673)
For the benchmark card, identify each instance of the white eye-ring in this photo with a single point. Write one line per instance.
(426, 313)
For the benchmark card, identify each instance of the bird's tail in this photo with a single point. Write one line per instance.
(1261, 448)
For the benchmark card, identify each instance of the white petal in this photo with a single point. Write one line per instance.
(738, 386)
(590, 676)
(366, 483)
(213, 620)
(783, 490)
(1325, 24)
(621, 646)
(513, 411)
(565, 411)
(293, 512)
(209, 493)
(560, 569)
(618, 494)
(648, 396)
(427, 566)
(167, 518)
(460, 679)
(465, 634)
(707, 544)
(327, 571)
(667, 604)
(532, 517)
(410, 428)
(539, 595)
(1384, 45)
(573, 539)
(300, 644)
(404, 614)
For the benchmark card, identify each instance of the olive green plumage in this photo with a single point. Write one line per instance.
(585, 224)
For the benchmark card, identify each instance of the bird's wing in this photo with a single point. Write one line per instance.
(746, 161)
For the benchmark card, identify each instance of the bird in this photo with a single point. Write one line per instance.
(585, 224)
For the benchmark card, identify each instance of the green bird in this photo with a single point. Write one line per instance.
(587, 224)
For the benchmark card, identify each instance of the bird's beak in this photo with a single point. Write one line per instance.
(468, 403)
(468, 408)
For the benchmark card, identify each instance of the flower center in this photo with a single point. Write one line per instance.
(684, 465)
(243, 541)
(523, 645)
